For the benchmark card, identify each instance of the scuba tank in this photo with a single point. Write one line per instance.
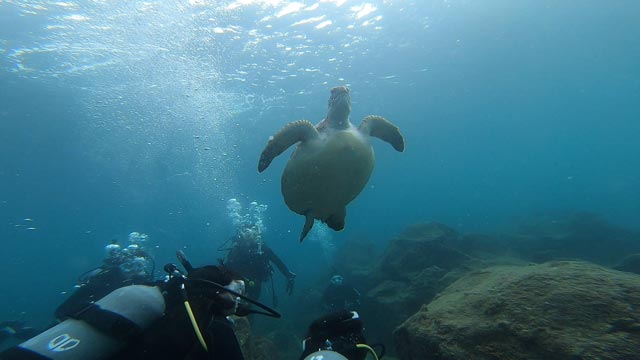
(98, 331)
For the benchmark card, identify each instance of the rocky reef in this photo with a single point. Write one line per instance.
(258, 347)
(546, 289)
(416, 265)
(630, 264)
(557, 310)
(582, 235)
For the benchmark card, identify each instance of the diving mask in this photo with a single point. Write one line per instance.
(236, 287)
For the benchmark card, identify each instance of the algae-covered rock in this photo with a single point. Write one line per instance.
(557, 310)
(416, 265)
(583, 236)
(419, 247)
(429, 231)
(253, 347)
(630, 264)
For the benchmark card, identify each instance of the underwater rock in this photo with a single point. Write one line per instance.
(429, 231)
(583, 236)
(243, 333)
(419, 247)
(554, 311)
(482, 245)
(391, 302)
(253, 347)
(416, 265)
(630, 264)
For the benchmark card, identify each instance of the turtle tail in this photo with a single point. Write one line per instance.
(308, 224)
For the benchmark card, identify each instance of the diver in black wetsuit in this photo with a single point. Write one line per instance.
(174, 335)
(184, 316)
(252, 258)
(121, 267)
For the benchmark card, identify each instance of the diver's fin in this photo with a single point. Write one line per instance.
(308, 224)
(383, 129)
(336, 221)
(301, 130)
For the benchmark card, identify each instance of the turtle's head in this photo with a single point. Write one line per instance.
(339, 107)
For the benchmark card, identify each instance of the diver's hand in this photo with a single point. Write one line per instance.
(290, 282)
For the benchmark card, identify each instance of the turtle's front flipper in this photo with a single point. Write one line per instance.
(383, 129)
(308, 224)
(294, 132)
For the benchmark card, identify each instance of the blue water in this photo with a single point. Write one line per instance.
(148, 116)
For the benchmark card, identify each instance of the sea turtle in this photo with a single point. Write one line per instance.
(332, 163)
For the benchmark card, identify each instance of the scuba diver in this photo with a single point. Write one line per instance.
(184, 316)
(338, 336)
(121, 267)
(130, 265)
(339, 295)
(248, 254)
(252, 258)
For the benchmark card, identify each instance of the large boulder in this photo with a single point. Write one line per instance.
(254, 347)
(416, 265)
(553, 311)
(583, 236)
(630, 263)
(419, 247)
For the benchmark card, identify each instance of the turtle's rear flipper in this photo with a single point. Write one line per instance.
(336, 221)
(308, 224)
(292, 133)
(383, 129)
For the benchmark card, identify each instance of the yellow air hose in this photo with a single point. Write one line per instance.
(365, 346)
(194, 323)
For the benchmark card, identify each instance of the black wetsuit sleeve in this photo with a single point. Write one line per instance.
(222, 341)
(276, 260)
